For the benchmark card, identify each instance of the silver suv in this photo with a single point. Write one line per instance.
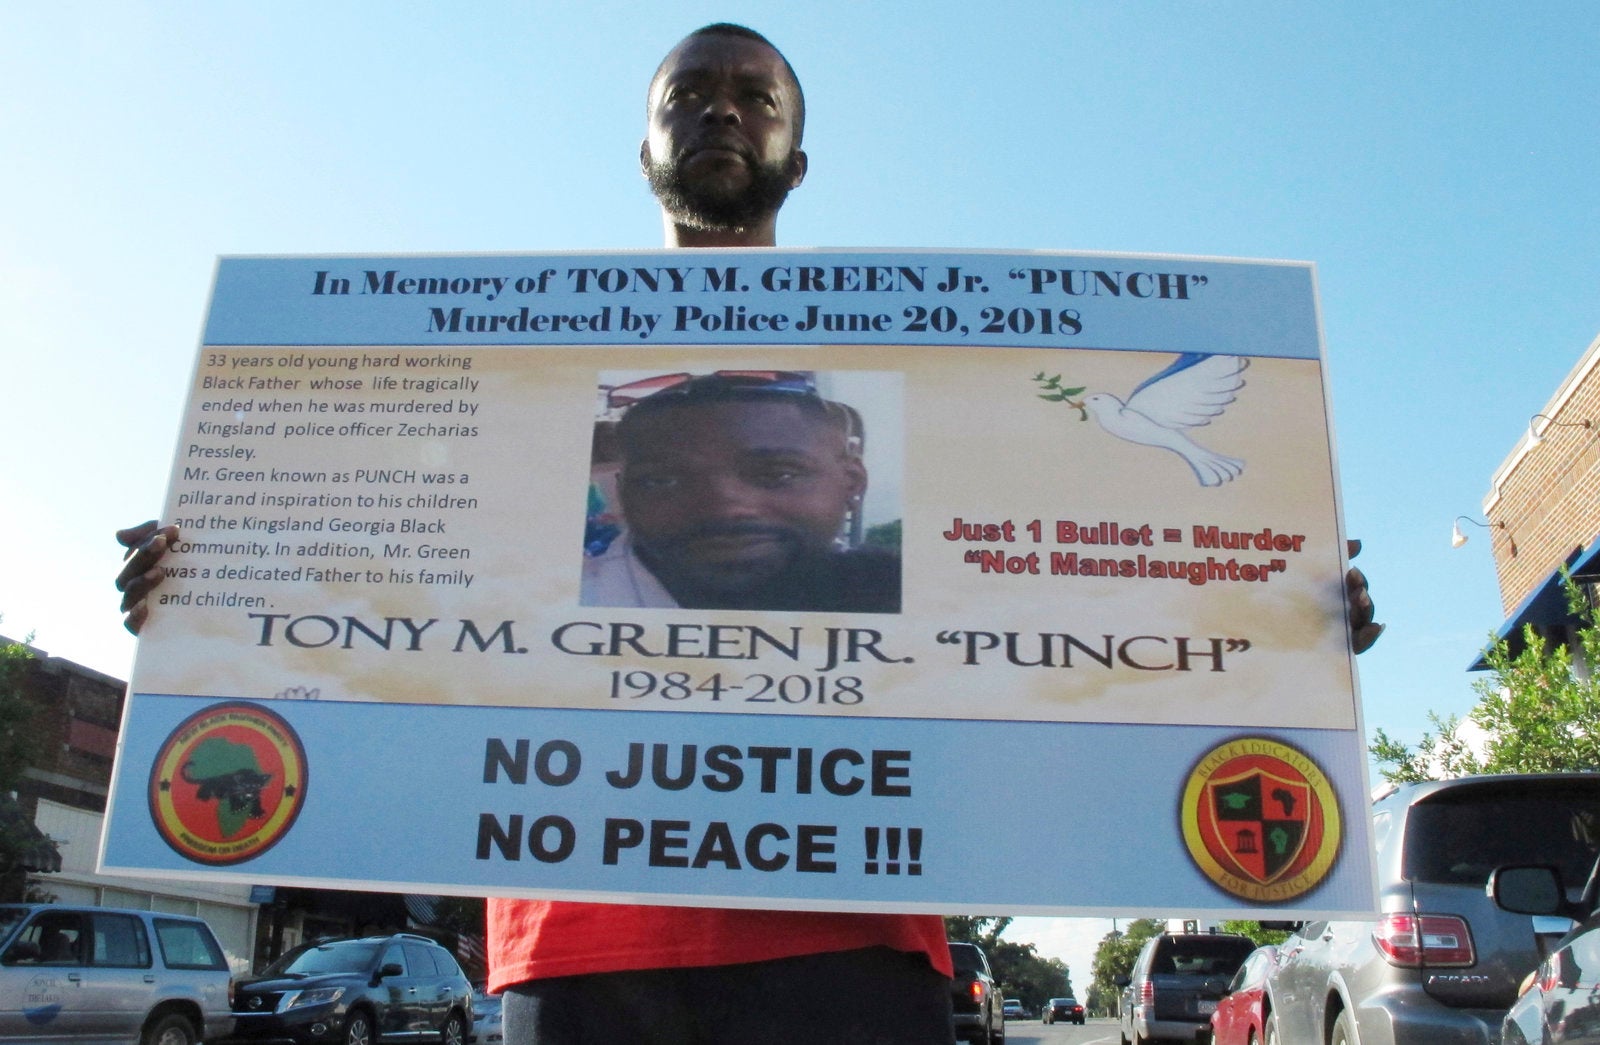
(1442, 963)
(99, 974)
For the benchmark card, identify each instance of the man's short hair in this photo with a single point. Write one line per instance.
(746, 33)
(782, 389)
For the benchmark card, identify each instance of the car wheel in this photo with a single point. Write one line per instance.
(358, 1029)
(1269, 1030)
(454, 1033)
(1344, 1030)
(171, 1029)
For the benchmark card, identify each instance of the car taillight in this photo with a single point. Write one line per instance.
(976, 989)
(1411, 941)
(1550, 975)
(1147, 992)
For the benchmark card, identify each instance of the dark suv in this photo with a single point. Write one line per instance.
(352, 992)
(1176, 982)
(977, 1008)
(1442, 963)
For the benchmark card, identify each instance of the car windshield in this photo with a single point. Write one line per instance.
(1459, 837)
(354, 956)
(1204, 955)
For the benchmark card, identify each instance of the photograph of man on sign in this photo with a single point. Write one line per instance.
(734, 489)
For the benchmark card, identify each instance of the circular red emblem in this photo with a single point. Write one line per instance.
(228, 783)
(1260, 819)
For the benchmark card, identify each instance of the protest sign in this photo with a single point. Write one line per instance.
(1073, 640)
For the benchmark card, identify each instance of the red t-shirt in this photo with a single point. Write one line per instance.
(540, 939)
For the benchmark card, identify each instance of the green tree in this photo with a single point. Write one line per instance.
(969, 929)
(18, 748)
(1539, 712)
(1256, 932)
(17, 744)
(1019, 968)
(1114, 958)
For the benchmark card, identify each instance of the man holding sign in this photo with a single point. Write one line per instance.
(723, 150)
(722, 153)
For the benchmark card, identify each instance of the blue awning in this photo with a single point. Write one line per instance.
(1546, 604)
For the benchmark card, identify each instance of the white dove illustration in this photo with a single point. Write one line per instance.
(1195, 388)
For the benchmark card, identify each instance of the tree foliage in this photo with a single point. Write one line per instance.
(1020, 969)
(1114, 958)
(1256, 932)
(17, 737)
(1538, 709)
(18, 747)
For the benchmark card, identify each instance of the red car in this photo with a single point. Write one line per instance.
(1242, 1017)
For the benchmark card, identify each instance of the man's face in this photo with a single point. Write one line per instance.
(721, 151)
(721, 497)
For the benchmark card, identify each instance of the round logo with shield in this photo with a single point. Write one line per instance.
(228, 783)
(1260, 819)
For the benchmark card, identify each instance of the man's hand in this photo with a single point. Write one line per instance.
(1364, 631)
(141, 570)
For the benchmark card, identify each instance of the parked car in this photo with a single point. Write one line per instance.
(1240, 1018)
(487, 1017)
(1443, 963)
(92, 974)
(977, 1007)
(1066, 1009)
(1176, 982)
(1560, 1000)
(355, 992)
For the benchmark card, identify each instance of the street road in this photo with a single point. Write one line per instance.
(1032, 1032)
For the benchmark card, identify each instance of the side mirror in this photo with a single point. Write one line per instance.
(392, 969)
(1529, 890)
(1122, 981)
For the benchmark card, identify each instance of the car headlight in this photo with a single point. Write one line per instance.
(316, 996)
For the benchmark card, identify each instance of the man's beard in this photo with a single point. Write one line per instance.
(705, 211)
(763, 583)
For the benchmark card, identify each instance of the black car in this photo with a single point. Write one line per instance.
(976, 1003)
(1066, 1009)
(354, 992)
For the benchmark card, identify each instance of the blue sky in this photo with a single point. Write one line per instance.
(1435, 160)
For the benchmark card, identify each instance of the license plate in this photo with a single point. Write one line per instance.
(1207, 1007)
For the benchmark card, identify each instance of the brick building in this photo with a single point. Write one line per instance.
(1544, 507)
(76, 713)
